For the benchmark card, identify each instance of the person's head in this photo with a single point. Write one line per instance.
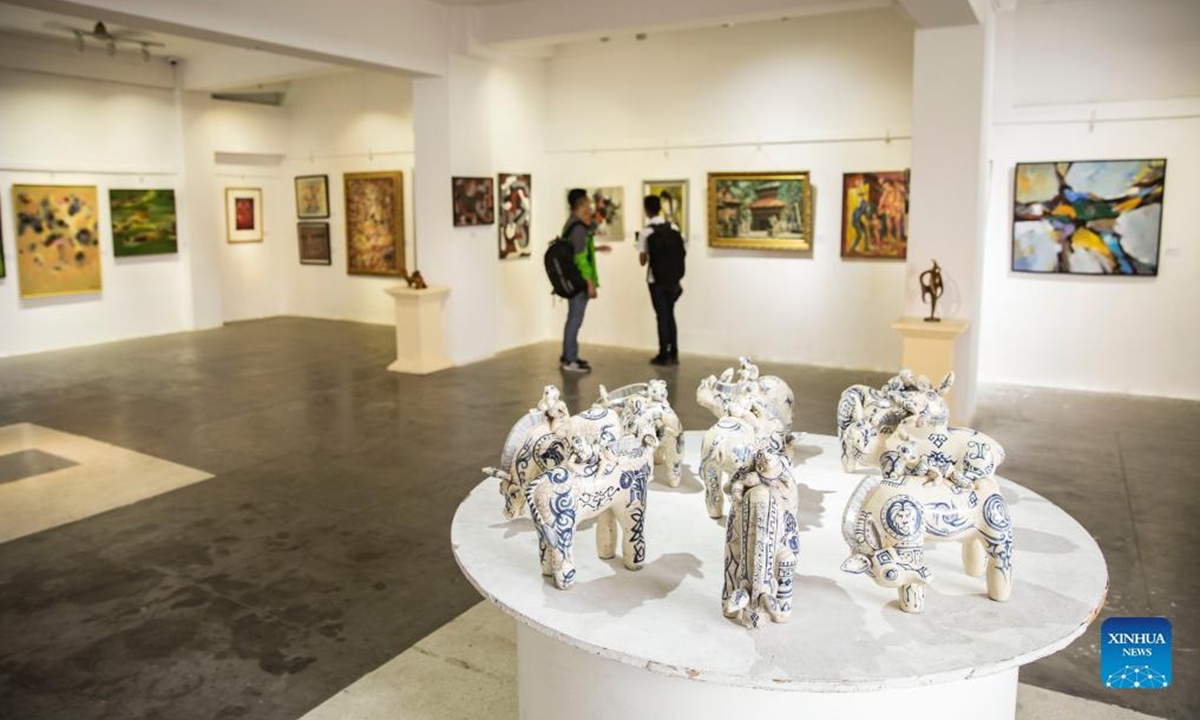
(581, 204)
(652, 204)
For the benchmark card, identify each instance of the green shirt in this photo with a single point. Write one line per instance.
(583, 243)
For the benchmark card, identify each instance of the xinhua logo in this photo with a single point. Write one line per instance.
(1135, 653)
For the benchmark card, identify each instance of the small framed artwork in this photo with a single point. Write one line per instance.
(760, 211)
(474, 201)
(312, 196)
(674, 197)
(143, 222)
(516, 207)
(58, 239)
(243, 215)
(608, 212)
(875, 215)
(375, 223)
(314, 243)
(1094, 217)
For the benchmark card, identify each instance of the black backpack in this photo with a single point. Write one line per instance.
(565, 278)
(667, 252)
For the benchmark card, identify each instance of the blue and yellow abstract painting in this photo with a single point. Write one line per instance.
(1099, 217)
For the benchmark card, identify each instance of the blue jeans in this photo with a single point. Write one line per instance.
(575, 308)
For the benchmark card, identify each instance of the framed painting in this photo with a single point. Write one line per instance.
(143, 222)
(312, 196)
(375, 223)
(608, 212)
(58, 239)
(515, 208)
(674, 197)
(474, 200)
(243, 215)
(314, 243)
(875, 215)
(1095, 217)
(760, 210)
(3, 271)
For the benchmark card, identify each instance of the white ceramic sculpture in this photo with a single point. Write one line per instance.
(534, 444)
(728, 447)
(670, 430)
(867, 417)
(598, 480)
(761, 537)
(771, 391)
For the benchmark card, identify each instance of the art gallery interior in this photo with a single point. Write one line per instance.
(241, 445)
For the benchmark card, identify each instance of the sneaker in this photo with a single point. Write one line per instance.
(584, 363)
(673, 360)
(659, 359)
(575, 367)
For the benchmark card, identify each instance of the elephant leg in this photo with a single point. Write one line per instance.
(714, 499)
(782, 611)
(633, 551)
(671, 462)
(544, 555)
(606, 535)
(848, 463)
(999, 568)
(562, 566)
(912, 597)
(974, 557)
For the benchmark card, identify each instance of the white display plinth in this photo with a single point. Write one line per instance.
(653, 644)
(420, 342)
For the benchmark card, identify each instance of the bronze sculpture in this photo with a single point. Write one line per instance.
(415, 281)
(931, 290)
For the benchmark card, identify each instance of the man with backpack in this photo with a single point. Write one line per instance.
(662, 248)
(577, 234)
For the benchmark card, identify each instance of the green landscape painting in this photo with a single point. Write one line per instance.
(143, 222)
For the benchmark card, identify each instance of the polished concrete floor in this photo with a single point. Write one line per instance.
(320, 549)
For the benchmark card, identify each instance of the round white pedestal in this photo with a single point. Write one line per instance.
(653, 644)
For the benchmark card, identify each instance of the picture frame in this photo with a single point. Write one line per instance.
(143, 221)
(57, 240)
(761, 210)
(243, 215)
(312, 196)
(675, 201)
(374, 223)
(474, 201)
(874, 218)
(514, 215)
(313, 241)
(1108, 224)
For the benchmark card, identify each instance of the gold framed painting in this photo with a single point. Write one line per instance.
(674, 197)
(243, 215)
(875, 215)
(58, 239)
(375, 223)
(760, 210)
(312, 197)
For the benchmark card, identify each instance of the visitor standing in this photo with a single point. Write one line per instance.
(578, 231)
(662, 248)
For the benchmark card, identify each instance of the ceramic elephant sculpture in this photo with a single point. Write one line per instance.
(670, 430)
(599, 480)
(773, 391)
(727, 447)
(534, 444)
(761, 539)
(867, 419)
(889, 520)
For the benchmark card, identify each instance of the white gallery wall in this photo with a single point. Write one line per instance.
(795, 95)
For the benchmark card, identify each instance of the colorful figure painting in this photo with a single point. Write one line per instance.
(674, 197)
(608, 212)
(516, 206)
(875, 215)
(143, 222)
(1090, 218)
(58, 239)
(474, 201)
(375, 223)
(314, 243)
(312, 196)
(243, 215)
(760, 211)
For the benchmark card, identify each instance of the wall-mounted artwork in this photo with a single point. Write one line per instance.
(143, 222)
(516, 206)
(3, 271)
(1089, 218)
(875, 215)
(375, 223)
(58, 239)
(608, 212)
(314, 243)
(674, 197)
(474, 200)
(312, 196)
(243, 215)
(760, 211)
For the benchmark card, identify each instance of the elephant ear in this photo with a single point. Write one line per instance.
(856, 564)
(947, 383)
(726, 375)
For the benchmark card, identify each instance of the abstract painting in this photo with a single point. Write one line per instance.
(312, 196)
(143, 222)
(608, 212)
(314, 243)
(515, 207)
(875, 215)
(1088, 217)
(760, 211)
(474, 200)
(674, 197)
(243, 215)
(58, 239)
(375, 223)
